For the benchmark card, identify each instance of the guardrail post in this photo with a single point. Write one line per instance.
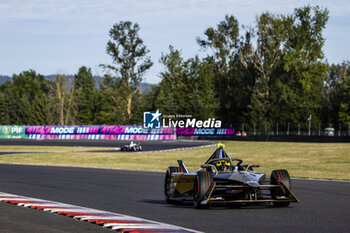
(309, 119)
(319, 129)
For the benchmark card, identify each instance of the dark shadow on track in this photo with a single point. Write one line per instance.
(147, 145)
(189, 204)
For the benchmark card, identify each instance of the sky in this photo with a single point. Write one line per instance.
(60, 36)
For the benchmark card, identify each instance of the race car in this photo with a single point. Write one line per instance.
(131, 147)
(226, 180)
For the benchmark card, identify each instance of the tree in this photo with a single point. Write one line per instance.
(337, 95)
(186, 86)
(24, 100)
(130, 61)
(289, 62)
(343, 86)
(84, 95)
(173, 96)
(304, 61)
(84, 80)
(271, 33)
(223, 41)
(110, 102)
(205, 104)
(62, 108)
(12, 110)
(232, 82)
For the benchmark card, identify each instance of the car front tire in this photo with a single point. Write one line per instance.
(201, 185)
(277, 177)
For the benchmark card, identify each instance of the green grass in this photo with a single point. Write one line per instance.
(304, 160)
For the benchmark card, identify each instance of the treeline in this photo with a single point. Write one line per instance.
(272, 72)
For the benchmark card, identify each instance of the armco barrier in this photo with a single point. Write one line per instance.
(97, 132)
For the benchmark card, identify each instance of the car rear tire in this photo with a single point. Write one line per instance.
(277, 177)
(167, 182)
(201, 185)
(140, 148)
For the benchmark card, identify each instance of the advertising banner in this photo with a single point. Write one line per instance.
(12, 131)
(96, 129)
(109, 132)
(97, 132)
(216, 132)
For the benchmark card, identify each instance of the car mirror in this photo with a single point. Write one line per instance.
(252, 165)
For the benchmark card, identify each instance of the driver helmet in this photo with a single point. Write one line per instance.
(222, 165)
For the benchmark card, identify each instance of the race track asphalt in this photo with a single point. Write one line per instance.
(324, 206)
(147, 145)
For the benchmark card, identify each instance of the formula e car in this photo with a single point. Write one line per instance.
(225, 180)
(131, 147)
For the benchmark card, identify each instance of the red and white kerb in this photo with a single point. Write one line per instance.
(113, 221)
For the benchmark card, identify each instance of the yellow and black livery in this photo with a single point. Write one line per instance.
(224, 179)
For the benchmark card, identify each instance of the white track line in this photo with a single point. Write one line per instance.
(113, 221)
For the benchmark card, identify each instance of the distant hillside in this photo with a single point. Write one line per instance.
(4, 78)
(144, 87)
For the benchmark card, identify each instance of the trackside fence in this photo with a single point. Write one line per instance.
(277, 129)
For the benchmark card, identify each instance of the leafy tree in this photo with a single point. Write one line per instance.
(337, 95)
(84, 95)
(130, 62)
(205, 104)
(290, 68)
(144, 102)
(12, 110)
(139, 105)
(186, 86)
(223, 41)
(84, 80)
(62, 108)
(173, 94)
(266, 58)
(25, 99)
(304, 60)
(110, 102)
(232, 79)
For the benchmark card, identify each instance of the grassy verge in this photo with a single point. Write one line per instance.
(304, 160)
